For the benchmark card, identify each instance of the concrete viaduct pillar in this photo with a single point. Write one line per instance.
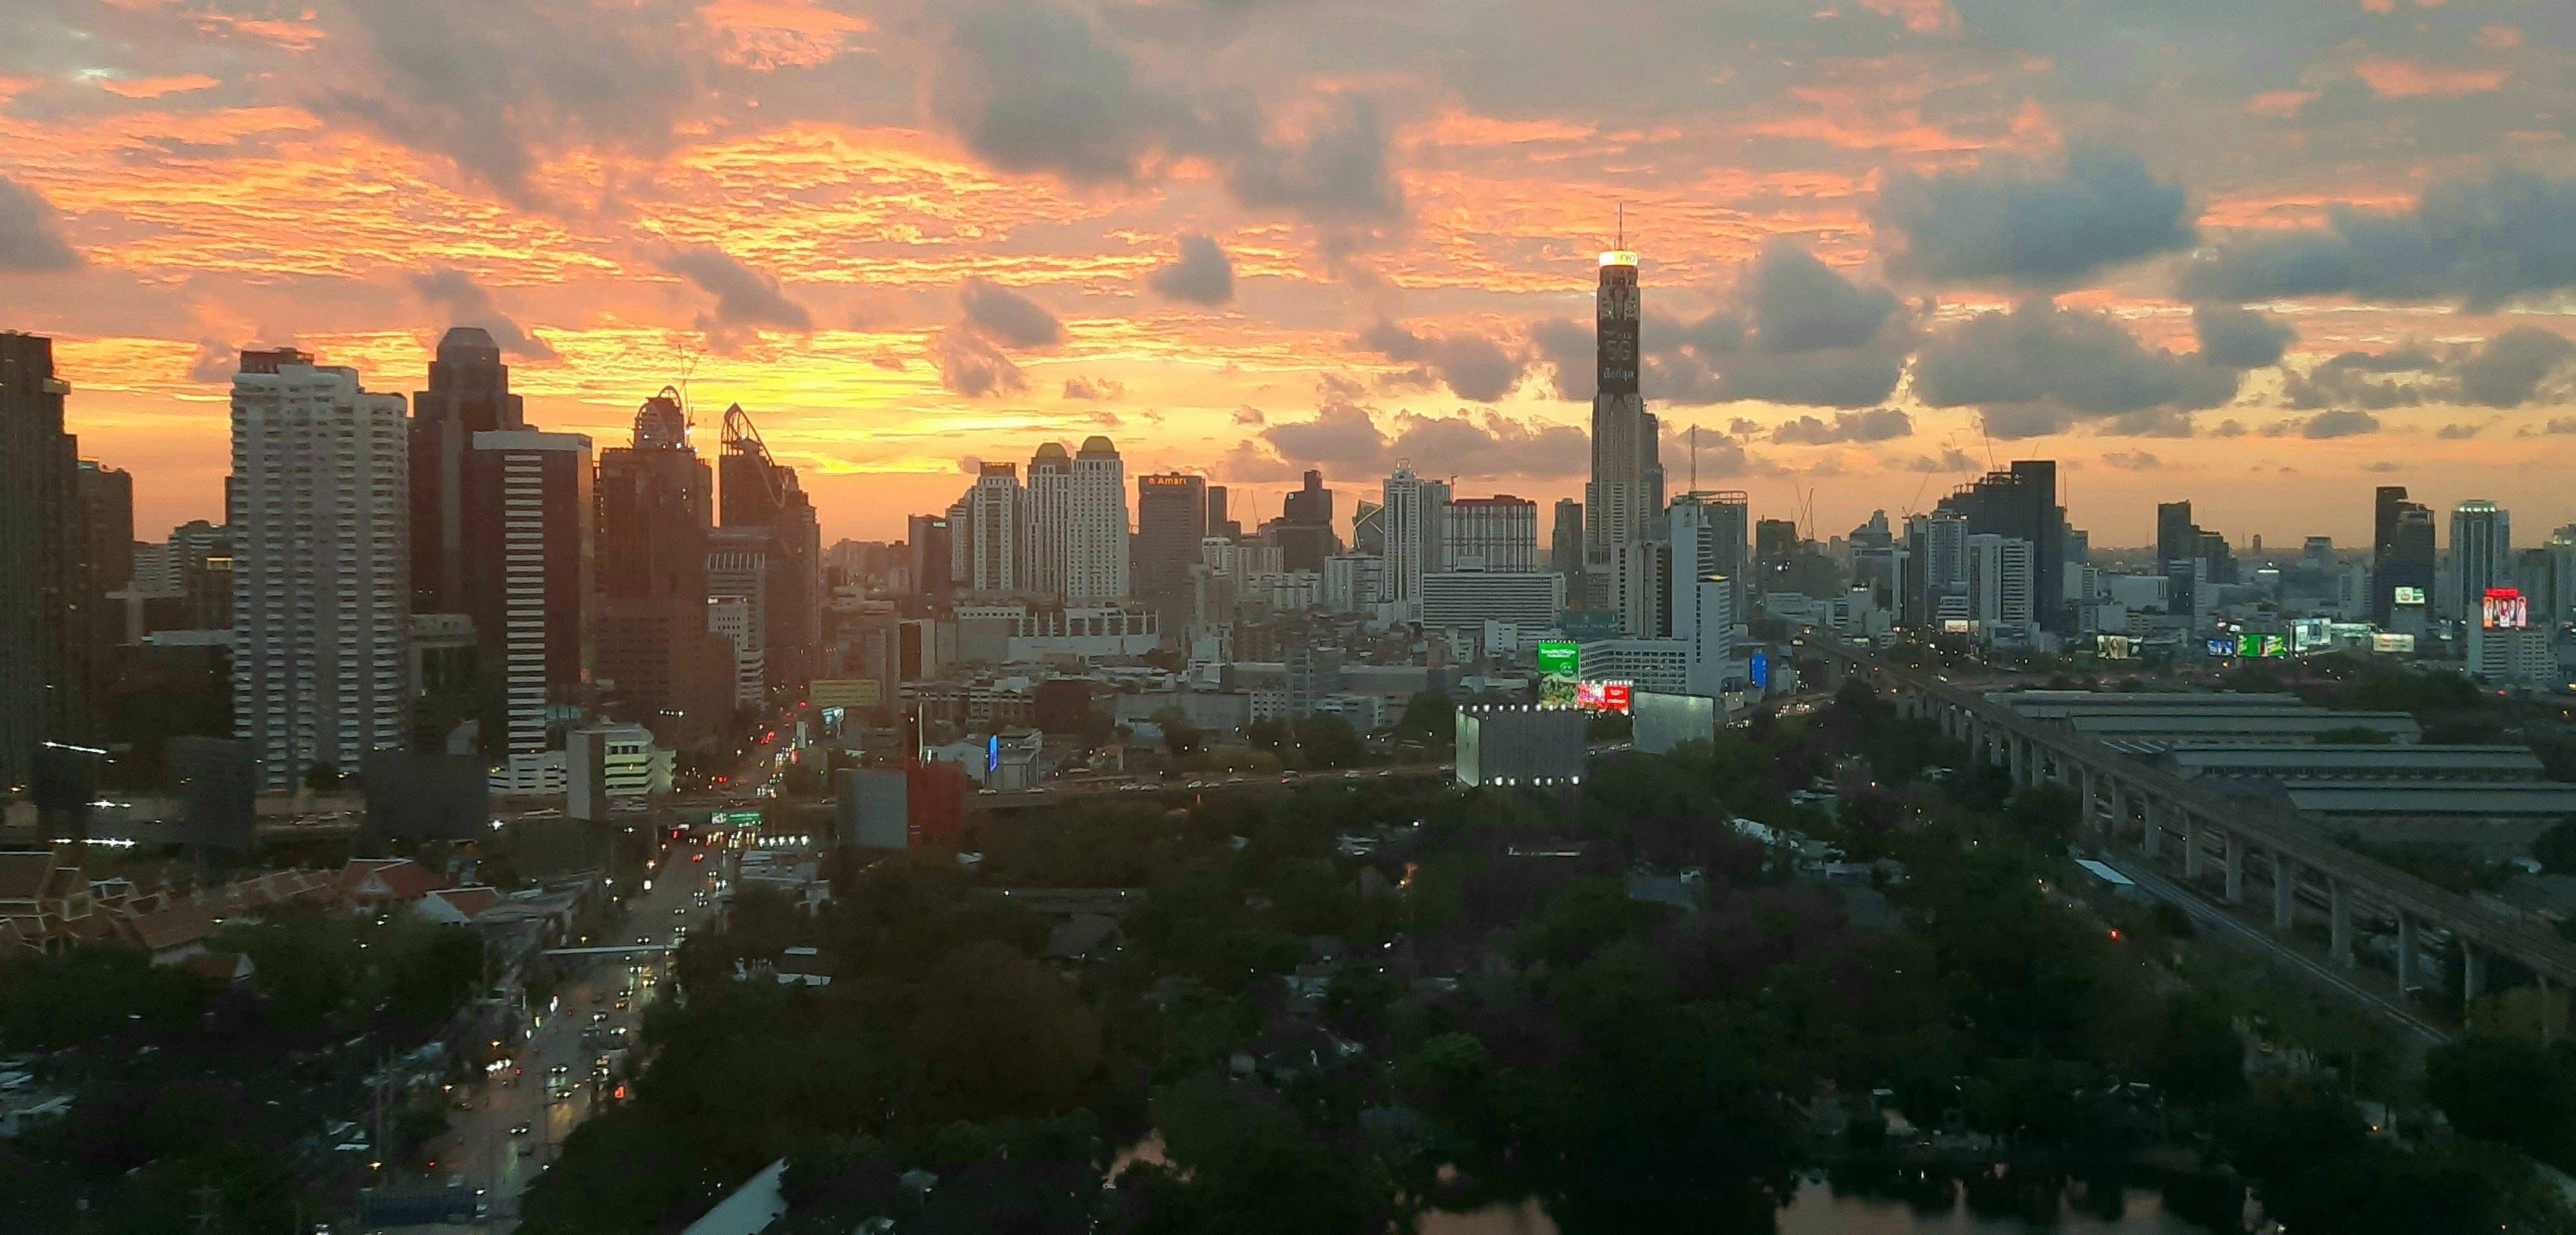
(2235, 868)
(2339, 922)
(2090, 781)
(2192, 846)
(2119, 808)
(2021, 754)
(2473, 972)
(2405, 952)
(2154, 840)
(2285, 892)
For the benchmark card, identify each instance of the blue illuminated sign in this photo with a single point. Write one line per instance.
(1757, 669)
(993, 753)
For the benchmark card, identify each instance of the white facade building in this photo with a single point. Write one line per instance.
(1352, 581)
(1466, 599)
(1050, 521)
(1096, 560)
(321, 566)
(731, 617)
(1415, 512)
(2507, 656)
(1704, 621)
(998, 550)
(545, 502)
(1999, 587)
(1489, 533)
(607, 762)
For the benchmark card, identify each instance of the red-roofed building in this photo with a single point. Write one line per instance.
(173, 934)
(375, 883)
(45, 895)
(456, 906)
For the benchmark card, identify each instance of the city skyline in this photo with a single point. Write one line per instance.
(1247, 244)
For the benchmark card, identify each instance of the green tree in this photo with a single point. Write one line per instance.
(2555, 849)
(1429, 717)
(1180, 737)
(2507, 1089)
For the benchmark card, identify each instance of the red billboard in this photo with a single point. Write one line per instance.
(1604, 696)
(2505, 608)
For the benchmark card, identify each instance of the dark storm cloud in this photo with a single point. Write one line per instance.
(2237, 338)
(1203, 274)
(2478, 243)
(1871, 426)
(2519, 366)
(2038, 369)
(1007, 317)
(467, 304)
(496, 86)
(2342, 422)
(1038, 88)
(30, 232)
(1346, 440)
(1337, 173)
(2011, 222)
(1472, 366)
(970, 365)
(746, 299)
(1793, 330)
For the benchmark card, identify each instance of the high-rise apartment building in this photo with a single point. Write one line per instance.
(1565, 539)
(527, 525)
(2481, 556)
(1712, 535)
(1624, 496)
(761, 494)
(469, 393)
(1098, 548)
(44, 678)
(2177, 537)
(997, 510)
(657, 663)
(1171, 520)
(1497, 533)
(1220, 522)
(1415, 514)
(1050, 520)
(321, 566)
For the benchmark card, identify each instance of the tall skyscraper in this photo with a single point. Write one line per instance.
(2177, 537)
(1171, 520)
(1050, 520)
(469, 393)
(926, 539)
(739, 575)
(1416, 511)
(1221, 523)
(1565, 539)
(2395, 566)
(107, 564)
(1097, 550)
(321, 575)
(762, 494)
(43, 618)
(657, 663)
(2002, 587)
(1712, 534)
(1304, 532)
(1625, 494)
(528, 514)
(2481, 556)
(997, 511)
(2021, 503)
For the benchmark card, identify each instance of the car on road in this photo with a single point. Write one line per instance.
(519, 1130)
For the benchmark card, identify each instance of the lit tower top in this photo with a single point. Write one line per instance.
(1616, 329)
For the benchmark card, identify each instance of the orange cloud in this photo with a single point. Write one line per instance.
(155, 87)
(2407, 79)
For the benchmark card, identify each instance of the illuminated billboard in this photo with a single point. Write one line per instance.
(2505, 609)
(2115, 647)
(2385, 641)
(2222, 647)
(1560, 662)
(2409, 595)
(845, 693)
(1757, 670)
(2250, 644)
(1604, 696)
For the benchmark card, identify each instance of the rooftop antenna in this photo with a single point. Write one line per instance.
(1623, 227)
(1694, 431)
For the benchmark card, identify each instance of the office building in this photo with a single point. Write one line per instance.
(2512, 656)
(1304, 532)
(1171, 520)
(1497, 533)
(1532, 600)
(2481, 556)
(1565, 538)
(1368, 528)
(2402, 560)
(1639, 578)
(998, 531)
(605, 763)
(2020, 503)
(658, 664)
(761, 494)
(321, 577)
(1220, 522)
(1624, 496)
(2002, 587)
(1097, 558)
(926, 543)
(528, 534)
(2177, 537)
(732, 617)
(44, 680)
(469, 393)
(1711, 535)
(1353, 581)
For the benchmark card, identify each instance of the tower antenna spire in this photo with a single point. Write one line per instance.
(1623, 227)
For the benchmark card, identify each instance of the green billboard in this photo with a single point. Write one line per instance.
(735, 819)
(1560, 662)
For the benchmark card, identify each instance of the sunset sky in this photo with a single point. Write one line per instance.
(2259, 255)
